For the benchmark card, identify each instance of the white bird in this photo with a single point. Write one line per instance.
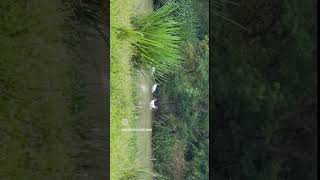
(151, 104)
(154, 87)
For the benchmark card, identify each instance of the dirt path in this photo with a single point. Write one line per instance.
(145, 116)
(144, 83)
(143, 6)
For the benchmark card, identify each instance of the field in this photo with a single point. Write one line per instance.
(54, 92)
(53, 95)
(177, 47)
(129, 150)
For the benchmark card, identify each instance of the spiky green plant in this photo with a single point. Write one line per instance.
(156, 38)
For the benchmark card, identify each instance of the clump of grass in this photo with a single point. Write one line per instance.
(156, 38)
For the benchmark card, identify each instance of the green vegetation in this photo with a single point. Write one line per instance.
(125, 162)
(52, 120)
(264, 86)
(156, 38)
(122, 146)
(180, 130)
(49, 127)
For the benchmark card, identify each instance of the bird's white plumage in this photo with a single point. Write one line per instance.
(154, 87)
(151, 104)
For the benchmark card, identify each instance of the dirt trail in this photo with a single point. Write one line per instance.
(144, 83)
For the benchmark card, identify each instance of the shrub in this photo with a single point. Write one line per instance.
(156, 38)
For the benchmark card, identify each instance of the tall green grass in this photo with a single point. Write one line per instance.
(156, 39)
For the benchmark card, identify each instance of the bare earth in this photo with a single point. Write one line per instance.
(144, 93)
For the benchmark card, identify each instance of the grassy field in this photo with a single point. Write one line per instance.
(177, 145)
(126, 160)
(53, 103)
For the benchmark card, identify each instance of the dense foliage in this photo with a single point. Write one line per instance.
(264, 89)
(180, 132)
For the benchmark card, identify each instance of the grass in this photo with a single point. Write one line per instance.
(156, 38)
(124, 162)
(36, 141)
(137, 42)
(180, 128)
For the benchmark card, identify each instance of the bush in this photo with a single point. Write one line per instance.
(156, 39)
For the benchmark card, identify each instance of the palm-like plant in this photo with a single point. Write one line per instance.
(157, 38)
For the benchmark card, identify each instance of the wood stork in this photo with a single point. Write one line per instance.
(151, 104)
(154, 87)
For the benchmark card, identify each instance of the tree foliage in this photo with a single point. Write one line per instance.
(264, 89)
